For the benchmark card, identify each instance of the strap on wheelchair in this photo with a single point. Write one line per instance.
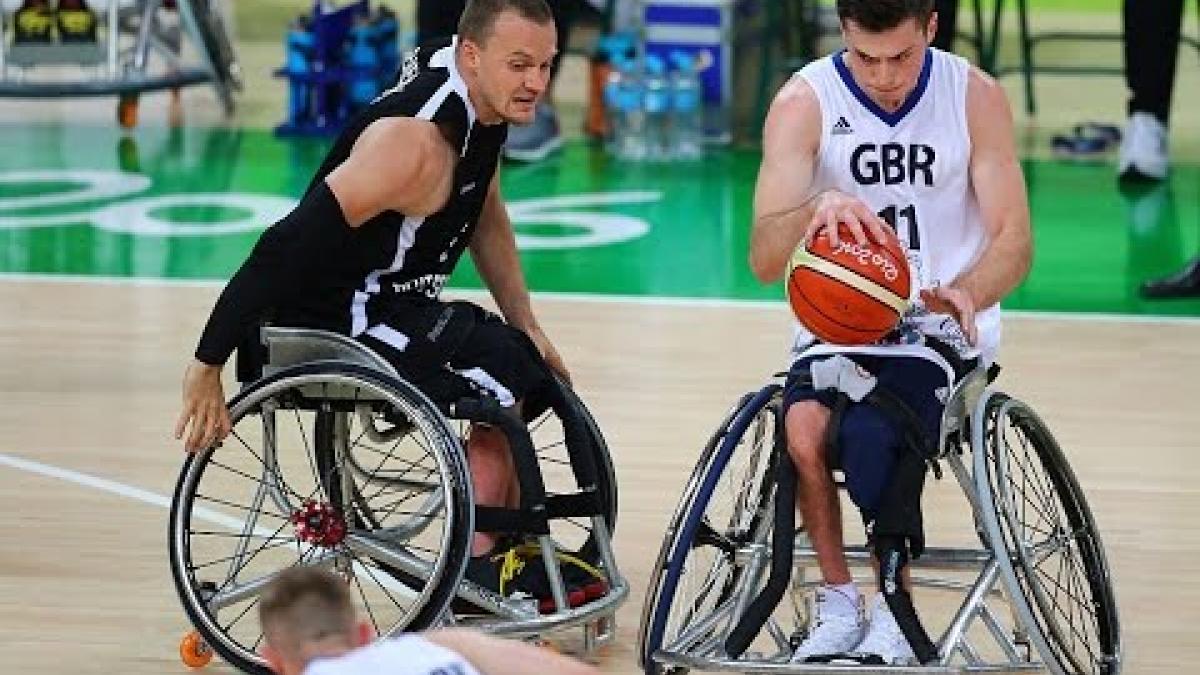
(531, 515)
(890, 551)
(783, 541)
(536, 509)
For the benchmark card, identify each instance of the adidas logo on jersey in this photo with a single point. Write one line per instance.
(841, 127)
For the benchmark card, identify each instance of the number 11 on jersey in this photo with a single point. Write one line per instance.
(891, 214)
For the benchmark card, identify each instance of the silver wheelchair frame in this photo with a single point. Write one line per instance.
(137, 52)
(1033, 635)
(347, 517)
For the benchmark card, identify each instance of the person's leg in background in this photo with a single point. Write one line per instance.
(1151, 47)
(537, 140)
(947, 11)
(1152, 32)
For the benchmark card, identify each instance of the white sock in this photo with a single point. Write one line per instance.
(842, 598)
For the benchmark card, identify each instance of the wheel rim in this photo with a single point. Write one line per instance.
(238, 530)
(694, 598)
(1054, 560)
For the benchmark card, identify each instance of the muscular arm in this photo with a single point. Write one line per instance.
(783, 205)
(1000, 189)
(786, 209)
(494, 250)
(401, 164)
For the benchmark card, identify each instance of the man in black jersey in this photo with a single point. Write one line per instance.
(408, 186)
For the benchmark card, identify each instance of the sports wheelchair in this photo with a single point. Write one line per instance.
(336, 461)
(1035, 593)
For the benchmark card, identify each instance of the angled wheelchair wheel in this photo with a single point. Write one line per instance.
(1045, 540)
(693, 592)
(279, 493)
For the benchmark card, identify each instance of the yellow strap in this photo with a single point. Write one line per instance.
(510, 567)
(532, 550)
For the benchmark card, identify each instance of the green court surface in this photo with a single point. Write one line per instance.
(187, 204)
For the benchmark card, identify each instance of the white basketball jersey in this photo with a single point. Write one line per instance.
(409, 654)
(912, 167)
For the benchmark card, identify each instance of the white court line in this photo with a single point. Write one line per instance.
(113, 487)
(642, 300)
(155, 499)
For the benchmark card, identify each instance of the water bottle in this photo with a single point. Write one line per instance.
(630, 125)
(657, 103)
(687, 110)
(362, 61)
(298, 60)
(613, 88)
(386, 37)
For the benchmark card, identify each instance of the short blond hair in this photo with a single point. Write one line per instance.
(304, 605)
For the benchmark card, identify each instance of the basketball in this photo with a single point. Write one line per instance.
(849, 294)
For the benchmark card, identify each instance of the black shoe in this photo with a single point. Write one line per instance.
(34, 22)
(518, 569)
(1184, 284)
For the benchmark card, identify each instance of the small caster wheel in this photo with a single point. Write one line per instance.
(194, 651)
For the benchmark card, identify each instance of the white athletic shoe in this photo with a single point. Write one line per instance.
(1144, 149)
(835, 629)
(884, 643)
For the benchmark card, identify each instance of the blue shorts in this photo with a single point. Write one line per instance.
(869, 439)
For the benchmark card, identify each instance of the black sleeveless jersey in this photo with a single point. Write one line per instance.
(392, 254)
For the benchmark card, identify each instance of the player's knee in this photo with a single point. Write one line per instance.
(805, 425)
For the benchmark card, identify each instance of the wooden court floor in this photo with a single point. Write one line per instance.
(89, 383)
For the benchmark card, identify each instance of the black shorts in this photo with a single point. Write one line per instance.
(452, 350)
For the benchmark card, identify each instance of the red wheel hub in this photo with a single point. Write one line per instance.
(318, 523)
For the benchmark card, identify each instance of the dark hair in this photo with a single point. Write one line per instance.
(305, 604)
(477, 19)
(877, 16)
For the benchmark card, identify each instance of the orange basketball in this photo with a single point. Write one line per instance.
(850, 294)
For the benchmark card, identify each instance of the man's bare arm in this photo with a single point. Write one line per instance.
(494, 250)
(1000, 189)
(398, 163)
(783, 206)
(786, 208)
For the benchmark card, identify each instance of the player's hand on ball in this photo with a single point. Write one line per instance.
(957, 303)
(835, 207)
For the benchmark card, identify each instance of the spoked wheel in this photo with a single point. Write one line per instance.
(691, 599)
(278, 494)
(1046, 541)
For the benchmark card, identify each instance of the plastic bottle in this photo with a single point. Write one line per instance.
(362, 61)
(630, 123)
(687, 110)
(299, 52)
(386, 36)
(656, 101)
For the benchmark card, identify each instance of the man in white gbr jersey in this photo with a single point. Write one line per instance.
(887, 133)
